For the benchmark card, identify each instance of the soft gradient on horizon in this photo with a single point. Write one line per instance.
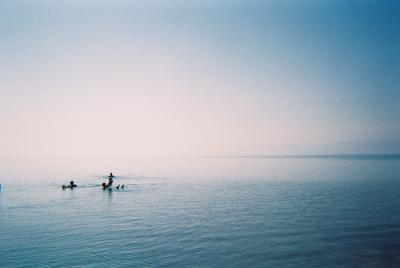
(162, 78)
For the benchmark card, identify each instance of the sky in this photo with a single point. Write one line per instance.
(189, 78)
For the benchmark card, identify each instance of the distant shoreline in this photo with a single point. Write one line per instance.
(318, 156)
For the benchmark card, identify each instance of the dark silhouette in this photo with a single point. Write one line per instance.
(119, 186)
(105, 186)
(110, 179)
(71, 185)
(110, 182)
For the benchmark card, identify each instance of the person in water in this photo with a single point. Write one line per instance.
(110, 179)
(105, 186)
(71, 185)
(110, 182)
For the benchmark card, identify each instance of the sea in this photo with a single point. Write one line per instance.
(238, 211)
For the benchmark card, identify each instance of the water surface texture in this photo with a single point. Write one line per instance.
(202, 212)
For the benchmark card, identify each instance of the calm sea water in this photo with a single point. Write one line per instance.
(202, 212)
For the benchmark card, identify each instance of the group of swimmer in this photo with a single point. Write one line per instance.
(106, 186)
(110, 182)
(71, 185)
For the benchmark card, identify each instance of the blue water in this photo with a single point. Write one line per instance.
(202, 212)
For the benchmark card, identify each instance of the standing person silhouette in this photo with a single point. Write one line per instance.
(110, 179)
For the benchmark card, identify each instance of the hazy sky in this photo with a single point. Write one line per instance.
(163, 78)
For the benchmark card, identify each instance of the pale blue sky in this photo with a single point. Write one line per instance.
(159, 78)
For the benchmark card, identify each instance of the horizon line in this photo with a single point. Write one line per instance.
(343, 155)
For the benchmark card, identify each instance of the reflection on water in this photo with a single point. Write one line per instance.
(108, 194)
(204, 212)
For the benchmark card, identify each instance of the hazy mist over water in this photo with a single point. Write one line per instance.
(234, 167)
(204, 212)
